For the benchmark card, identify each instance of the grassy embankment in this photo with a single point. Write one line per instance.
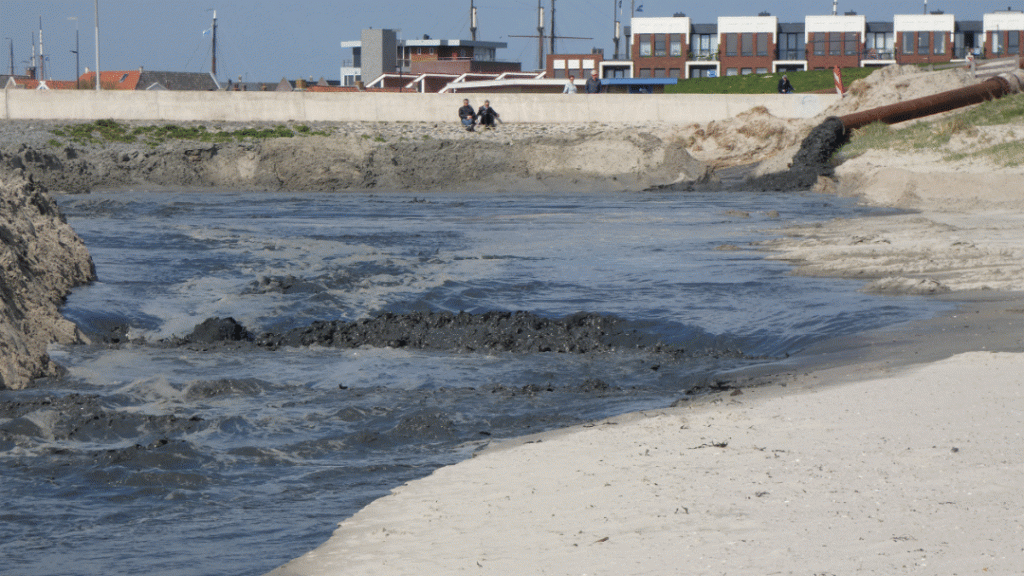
(810, 81)
(938, 134)
(111, 131)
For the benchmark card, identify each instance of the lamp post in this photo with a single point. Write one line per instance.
(96, 16)
(12, 54)
(75, 51)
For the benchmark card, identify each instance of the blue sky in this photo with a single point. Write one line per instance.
(265, 40)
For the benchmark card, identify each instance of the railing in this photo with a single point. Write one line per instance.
(792, 55)
(703, 56)
(875, 54)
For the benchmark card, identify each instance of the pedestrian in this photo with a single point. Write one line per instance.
(487, 115)
(784, 86)
(593, 83)
(467, 115)
(570, 86)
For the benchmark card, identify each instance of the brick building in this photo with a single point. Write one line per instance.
(923, 38)
(1003, 33)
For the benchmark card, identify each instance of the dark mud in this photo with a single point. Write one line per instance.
(810, 163)
(488, 332)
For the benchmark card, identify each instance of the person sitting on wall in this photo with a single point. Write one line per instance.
(593, 84)
(467, 115)
(570, 86)
(487, 115)
(784, 86)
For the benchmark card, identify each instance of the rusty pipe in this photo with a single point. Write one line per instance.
(995, 87)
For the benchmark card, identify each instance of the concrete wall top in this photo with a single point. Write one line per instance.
(923, 23)
(665, 25)
(747, 24)
(835, 24)
(175, 106)
(1002, 21)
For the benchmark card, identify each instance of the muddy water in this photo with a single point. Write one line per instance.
(232, 460)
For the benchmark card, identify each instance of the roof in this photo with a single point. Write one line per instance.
(113, 79)
(176, 80)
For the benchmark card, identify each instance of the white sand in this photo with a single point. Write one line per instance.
(916, 473)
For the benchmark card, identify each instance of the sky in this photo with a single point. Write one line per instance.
(266, 40)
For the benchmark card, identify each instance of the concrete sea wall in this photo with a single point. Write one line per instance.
(171, 106)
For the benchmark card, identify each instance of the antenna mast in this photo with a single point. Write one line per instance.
(835, 7)
(552, 27)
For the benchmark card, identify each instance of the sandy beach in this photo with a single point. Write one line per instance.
(895, 452)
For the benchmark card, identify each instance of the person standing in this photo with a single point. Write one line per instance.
(467, 115)
(487, 115)
(593, 85)
(570, 86)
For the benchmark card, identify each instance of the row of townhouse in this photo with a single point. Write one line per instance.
(675, 47)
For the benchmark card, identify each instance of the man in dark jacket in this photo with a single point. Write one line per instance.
(784, 86)
(593, 85)
(467, 115)
(487, 115)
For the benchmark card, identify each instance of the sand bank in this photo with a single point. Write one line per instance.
(916, 472)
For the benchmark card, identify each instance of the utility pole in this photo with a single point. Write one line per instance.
(77, 68)
(213, 62)
(42, 59)
(12, 55)
(96, 17)
(540, 36)
(552, 51)
(472, 20)
(615, 32)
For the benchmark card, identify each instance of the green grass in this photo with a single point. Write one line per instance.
(766, 83)
(102, 131)
(935, 134)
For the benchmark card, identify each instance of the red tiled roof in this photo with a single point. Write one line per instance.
(113, 79)
(51, 84)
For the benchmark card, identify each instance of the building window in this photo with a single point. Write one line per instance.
(791, 47)
(997, 45)
(819, 43)
(835, 44)
(762, 44)
(645, 72)
(673, 72)
(732, 44)
(938, 43)
(880, 45)
(1013, 42)
(659, 45)
(762, 70)
(730, 72)
(704, 45)
(746, 71)
(851, 40)
(747, 44)
(659, 72)
(676, 45)
(922, 43)
(645, 44)
(908, 42)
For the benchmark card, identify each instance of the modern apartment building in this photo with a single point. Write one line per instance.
(676, 47)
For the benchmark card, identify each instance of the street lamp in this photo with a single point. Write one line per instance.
(75, 51)
(96, 16)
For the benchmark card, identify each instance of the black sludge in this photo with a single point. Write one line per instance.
(491, 331)
(812, 161)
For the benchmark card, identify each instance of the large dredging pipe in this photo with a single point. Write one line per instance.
(813, 160)
(995, 87)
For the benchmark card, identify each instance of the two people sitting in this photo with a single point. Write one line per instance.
(486, 115)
